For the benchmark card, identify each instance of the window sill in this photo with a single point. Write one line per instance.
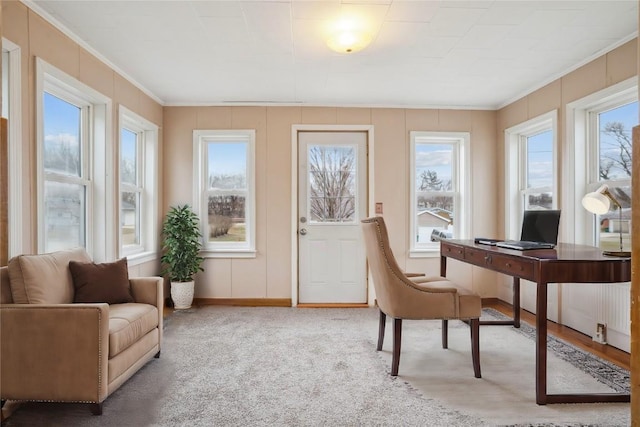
(424, 253)
(229, 253)
(140, 258)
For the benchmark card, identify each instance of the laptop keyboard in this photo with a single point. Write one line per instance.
(523, 245)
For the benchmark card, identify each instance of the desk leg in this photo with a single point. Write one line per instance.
(515, 320)
(516, 302)
(541, 344)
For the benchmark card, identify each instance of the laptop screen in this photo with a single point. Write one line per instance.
(541, 226)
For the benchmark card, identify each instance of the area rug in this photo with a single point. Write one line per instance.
(602, 370)
(236, 366)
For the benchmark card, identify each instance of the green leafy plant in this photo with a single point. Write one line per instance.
(182, 241)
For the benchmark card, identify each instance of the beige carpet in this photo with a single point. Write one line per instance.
(506, 393)
(228, 366)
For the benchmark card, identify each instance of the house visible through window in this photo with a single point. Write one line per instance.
(437, 188)
(225, 198)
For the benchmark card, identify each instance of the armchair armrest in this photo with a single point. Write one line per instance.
(54, 352)
(414, 274)
(149, 290)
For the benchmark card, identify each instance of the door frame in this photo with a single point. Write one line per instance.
(295, 129)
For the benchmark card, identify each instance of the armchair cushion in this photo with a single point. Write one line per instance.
(107, 282)
(128, 323)
(44, 279)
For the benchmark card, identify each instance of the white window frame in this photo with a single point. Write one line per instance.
(201, 139)
(12, 95)
(97, 160)
(580, 157)
(146, 187)
(461, 187)
(516, 169)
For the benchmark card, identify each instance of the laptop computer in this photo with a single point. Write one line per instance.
(539, 231)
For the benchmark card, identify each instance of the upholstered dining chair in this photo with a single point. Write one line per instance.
(418, 298)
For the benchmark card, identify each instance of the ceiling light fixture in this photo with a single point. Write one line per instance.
(348, 35)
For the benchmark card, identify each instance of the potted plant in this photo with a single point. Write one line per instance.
(181, 249)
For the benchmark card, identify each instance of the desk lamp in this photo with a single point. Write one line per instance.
(599, 202)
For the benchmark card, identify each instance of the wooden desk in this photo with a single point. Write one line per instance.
(565, 264)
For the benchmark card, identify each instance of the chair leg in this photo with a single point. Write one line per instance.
(475, 346)
(397, 338)
(445, 333)
(381, 326)
(96, 408)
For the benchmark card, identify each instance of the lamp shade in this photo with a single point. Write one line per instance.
(597, 202)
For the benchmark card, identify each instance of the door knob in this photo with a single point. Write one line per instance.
(303, 231)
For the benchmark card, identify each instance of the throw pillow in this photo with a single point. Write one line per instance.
(107, 282)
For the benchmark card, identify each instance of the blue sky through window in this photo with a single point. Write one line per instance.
(540, 160)
(434, 157)
(228, 158)
(610, 146)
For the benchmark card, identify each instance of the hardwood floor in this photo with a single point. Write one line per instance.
(606, 352)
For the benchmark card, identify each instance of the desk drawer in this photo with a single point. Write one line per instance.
(476, 256)
(452, 251)
(508, 265)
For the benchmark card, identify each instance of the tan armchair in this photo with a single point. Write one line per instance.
(54, 350)
(419, 298)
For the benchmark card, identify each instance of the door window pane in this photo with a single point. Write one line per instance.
(332, 183)
(64, 206)
(62, 130)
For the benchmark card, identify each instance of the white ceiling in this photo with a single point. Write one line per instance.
(447, 53)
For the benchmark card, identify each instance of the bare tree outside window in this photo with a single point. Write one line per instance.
(332, 183)
(615, 158)
(430, 182)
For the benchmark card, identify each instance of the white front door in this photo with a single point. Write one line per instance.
(332, 200)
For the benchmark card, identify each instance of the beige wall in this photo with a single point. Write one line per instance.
(613, 67)
(38, 38)
(269, 274)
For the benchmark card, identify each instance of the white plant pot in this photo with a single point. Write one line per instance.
(182, 294)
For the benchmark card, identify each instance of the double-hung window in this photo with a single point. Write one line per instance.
(73, 196)
(67, 183)
(610, 156)
(138, 185)
(224, 198)
(599, 153)
(530, 169)
(439, 189)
